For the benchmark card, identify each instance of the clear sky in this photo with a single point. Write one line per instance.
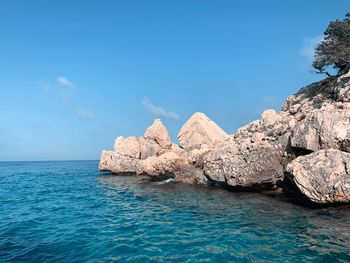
(75, 74)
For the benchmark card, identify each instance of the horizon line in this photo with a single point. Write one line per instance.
(81, 160)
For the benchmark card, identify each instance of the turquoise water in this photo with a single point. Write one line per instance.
(69, 212)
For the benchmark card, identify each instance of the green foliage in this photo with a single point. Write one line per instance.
(334, 49)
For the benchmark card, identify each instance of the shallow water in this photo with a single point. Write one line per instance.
(68, 211)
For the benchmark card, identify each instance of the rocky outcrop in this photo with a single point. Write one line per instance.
(323, 177)
(324, 128)
(328, 91)
(308, 141)
(274, 128)
(199, 130)
(118, 163)
(210, 155)
(153, 154)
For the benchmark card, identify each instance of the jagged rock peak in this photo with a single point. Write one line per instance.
(198, 130)
(159, 133)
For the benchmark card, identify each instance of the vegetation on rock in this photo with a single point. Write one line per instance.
(334, 50)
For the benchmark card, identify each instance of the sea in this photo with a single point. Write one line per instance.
(68, 211)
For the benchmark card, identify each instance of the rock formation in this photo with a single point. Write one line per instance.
(153, 154)
(306, 143)
(256, 165)
(158, 133)
(323, 176)
(324, 128)
(129, 147)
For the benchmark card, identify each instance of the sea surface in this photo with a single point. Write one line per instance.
(70, 212)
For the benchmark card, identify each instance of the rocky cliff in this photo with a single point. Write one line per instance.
(306, 144)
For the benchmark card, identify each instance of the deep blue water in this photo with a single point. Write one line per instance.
(69, 212)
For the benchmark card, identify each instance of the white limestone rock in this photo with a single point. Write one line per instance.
(323, 177)
(199, 130)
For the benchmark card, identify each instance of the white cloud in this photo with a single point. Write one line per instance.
(64, 81)
(84, 113)
(159, 112)
(308, 49)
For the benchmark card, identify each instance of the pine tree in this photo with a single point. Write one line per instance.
(334, 50)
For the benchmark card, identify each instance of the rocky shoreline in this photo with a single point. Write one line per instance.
(305, 146)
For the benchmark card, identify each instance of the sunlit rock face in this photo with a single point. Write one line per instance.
(128, 146)
(248, 165)
(105, 159)
(199, 130)
(323, 177)
(324, 128)
(158, 133)
(118, 163)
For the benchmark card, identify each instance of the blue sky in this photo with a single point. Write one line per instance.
(75, 74)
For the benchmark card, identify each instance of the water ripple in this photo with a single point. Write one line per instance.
(66, 211)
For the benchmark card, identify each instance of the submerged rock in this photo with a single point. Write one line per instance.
(323, 177)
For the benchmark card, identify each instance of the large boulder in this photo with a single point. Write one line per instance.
(164, 164)
(324, 128)
(129, 146)
(254, 165)
(198, 130)
(323, 177)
